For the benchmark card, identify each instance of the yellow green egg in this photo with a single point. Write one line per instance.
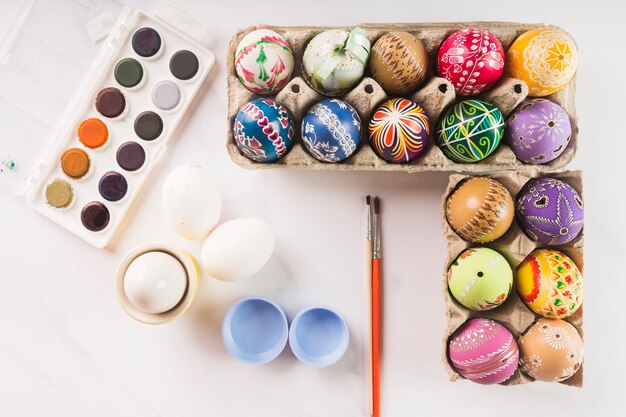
(480, 279)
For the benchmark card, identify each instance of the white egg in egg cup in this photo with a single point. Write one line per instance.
(192, 272)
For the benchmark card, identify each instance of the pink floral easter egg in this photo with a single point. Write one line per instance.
(472, 60)
(484, 351)
(264, 61)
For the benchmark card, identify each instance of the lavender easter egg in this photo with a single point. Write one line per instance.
(263, 130)
(550, 211)
(484, 351)
(331, 130)
(538, 131)
(263, 61)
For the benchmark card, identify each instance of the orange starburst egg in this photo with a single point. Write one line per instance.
(546, 59)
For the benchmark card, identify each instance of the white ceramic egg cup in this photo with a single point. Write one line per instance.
(193, 280)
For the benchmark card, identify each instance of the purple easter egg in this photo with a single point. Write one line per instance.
(550, 211)
(538, 131)
(484, 351)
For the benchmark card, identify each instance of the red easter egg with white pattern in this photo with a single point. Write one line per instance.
(472, 60)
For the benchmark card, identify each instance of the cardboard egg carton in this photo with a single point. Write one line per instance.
(514, 245)
(434, 95)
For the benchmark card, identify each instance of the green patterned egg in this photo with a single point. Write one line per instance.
(470, 131)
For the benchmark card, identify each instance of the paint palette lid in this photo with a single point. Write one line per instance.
(45, 69)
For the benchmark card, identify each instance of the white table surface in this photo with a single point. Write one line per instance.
(67, 349)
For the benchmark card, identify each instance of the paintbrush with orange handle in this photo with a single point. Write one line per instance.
(376, 309)
(368, 291)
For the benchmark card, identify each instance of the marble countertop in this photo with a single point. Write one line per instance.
(67, 348)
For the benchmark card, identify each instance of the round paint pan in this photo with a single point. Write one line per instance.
(131, 156)
(148, 126)
(113, 186)
(129, 73)
(318, 337)
(76, 164)
(93, 133)
(111, 103)
(95, 216)
(166, 95)
(193, 280)
(59, 194)
(147, 43)
(255, 330)
(184, 65)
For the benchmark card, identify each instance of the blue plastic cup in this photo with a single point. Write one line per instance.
(255, 330)
(318, 337)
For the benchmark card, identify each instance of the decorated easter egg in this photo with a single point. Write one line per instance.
(472, 60)
(550, 211)
(470, 131)
(483, 351)
(538, 131)
(480, 279)
(334, 61)
(263, 61)
(551, 350)
(546, 59)
(480, 209)
(331, 130)
(263, 130)
(399, 130)
(399, 62)
(550, 284)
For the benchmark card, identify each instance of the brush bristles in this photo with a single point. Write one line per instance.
(377, 205)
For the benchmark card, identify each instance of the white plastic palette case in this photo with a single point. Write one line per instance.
(49, 80)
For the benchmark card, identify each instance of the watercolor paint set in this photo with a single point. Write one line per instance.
(118, 126)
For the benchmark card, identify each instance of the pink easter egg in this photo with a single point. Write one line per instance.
(472, 60)
(484, 351)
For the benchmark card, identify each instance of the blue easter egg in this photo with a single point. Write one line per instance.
(263, 130)
(331, 130)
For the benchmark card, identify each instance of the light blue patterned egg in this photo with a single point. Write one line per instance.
(331, 130)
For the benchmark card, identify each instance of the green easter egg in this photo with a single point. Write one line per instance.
(470, 131)
(480, 279)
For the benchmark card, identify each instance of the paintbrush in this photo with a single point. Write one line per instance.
(376, 308)
(368, 307)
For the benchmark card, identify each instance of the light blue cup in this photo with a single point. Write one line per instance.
(255, 330)
(318, 337)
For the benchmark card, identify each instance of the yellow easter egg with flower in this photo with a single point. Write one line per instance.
(546, 59)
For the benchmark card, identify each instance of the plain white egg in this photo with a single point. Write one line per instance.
(237, 249)
(155, 282)
(191, 201)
